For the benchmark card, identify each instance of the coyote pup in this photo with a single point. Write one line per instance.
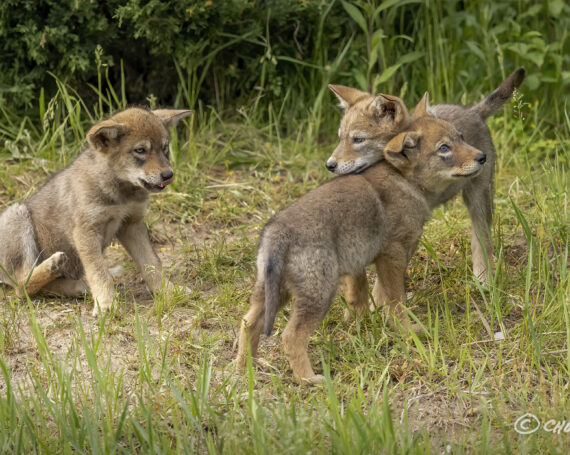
(54, 240)
(306, 248)
(361, 146)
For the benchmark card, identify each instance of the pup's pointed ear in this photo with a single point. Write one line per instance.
(105, 133)
(346, 95)
(423, 107)
(389, 107)
(171, 117)
(401, 149)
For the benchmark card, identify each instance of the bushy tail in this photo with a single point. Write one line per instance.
(274, 262)
(490, 105)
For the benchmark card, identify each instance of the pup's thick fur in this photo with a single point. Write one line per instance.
(346, 224)
(54, 240)
(360, 148)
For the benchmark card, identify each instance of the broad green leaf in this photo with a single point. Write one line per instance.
(390, 3)
(373, 57)
(386, 74)
(532, 82)
(473, 47)
(356, 16)
(533, 10)
(411, 57)
(519, 48)
(555, 7)
(377, 37)
(360, 79)
(536, 57)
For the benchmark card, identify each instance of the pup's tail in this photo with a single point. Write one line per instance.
(274, 261)
(490, 105)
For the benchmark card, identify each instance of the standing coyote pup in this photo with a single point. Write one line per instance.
(360, 147)
(306, 248)
(56, 238)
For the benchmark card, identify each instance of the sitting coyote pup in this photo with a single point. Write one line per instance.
(306, 248)
(360, 147)
(56, 237)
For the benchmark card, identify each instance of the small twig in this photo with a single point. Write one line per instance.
(299, 48)
(559, 351)
(475, 393)
(480, 342)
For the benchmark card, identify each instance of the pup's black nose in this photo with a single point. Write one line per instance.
(331, 165)
(481, 158)
(166, 175)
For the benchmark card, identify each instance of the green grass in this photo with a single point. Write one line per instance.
(160, 378)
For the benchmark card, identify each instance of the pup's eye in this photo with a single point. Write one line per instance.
(140, 150)
(358, 139)
(461, 136)
(444, 148)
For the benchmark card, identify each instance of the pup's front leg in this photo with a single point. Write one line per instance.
(479, 201)
(88, 244)
(134, 237)
(389, 289)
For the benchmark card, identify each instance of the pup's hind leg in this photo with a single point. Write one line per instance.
(251, 326)
(19, 253)
(43, 274)
(66, 287)
(479, 202)
(355, 290)
(307, 316)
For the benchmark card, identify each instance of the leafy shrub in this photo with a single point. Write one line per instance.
(235, 52)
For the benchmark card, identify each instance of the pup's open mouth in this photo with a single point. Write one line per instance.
(360, 168)
(472, 174)
(156, 188)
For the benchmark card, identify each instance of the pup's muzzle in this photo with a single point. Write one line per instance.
(157, 183)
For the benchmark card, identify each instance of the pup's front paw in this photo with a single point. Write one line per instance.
(101, 304)
(483, 278)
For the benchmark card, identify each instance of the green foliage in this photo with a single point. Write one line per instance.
(50, 35)
(232, 53)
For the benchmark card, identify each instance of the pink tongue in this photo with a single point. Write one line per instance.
(166, 182)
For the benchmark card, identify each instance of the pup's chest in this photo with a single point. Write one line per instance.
(120, 216)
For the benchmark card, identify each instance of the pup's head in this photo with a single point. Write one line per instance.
(432, 152)
(135, 142)
(368, 123)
